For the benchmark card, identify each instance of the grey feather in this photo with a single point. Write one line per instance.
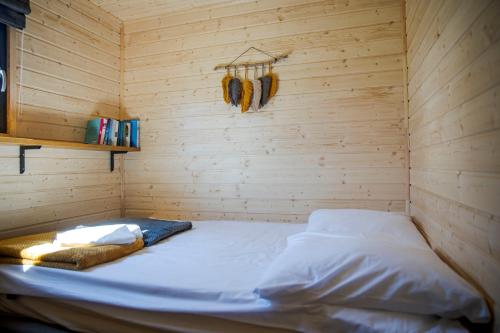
(266, 87)
(235, 91)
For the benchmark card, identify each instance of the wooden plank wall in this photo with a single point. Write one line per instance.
(334, 136)
(454, 77)
(71, 72)
(71, 69)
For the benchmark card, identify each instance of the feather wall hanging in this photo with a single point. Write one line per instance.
(256, 93)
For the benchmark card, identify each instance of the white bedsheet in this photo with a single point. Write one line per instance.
(210, 271)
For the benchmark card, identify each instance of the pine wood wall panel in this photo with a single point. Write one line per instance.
(334, 136)
(71, 72)
(72, 63)
(454, 81)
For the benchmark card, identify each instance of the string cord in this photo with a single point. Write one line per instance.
(252, 48)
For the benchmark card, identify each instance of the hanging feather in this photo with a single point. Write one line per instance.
(257, 92)
(246, 95)
(225, 87)
(235, 91)
(266, 86)
(273, 89)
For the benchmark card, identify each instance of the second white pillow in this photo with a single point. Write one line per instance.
(366, 224)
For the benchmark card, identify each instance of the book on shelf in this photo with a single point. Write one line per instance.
(126, 135)
(94, 128)
(134, 133)
(102, 130)
(108, 131)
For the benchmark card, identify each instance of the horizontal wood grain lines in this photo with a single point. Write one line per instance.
(58, 86)
(465, 83)
(88, 8)
(336, 26)
(466, 235)
(35, 183)
(448, 38)
(281, 15)
(385, 205)
(132, 9)
(328, 84)
(49, 52)
(40, 100)
(56, 69)
(43, 166)
(67, 27)
(267, 174)
(285, 161)
(350, 105)
(218, 216)
(230, 205)
(476, 190)
(59, 224)
(102, 26)
(379, 49)
(230, 12)
(286, 72)
(17, 218)
(343, 43)
(473, 153)
(41, 31)
(56, 196)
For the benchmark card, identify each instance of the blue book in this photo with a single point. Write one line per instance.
(92, 133)
(120, 133)
(134, 133)
(107, 137)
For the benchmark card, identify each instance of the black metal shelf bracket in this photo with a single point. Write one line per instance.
(112, 158)
(22, 156)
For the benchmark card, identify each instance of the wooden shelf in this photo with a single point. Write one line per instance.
(8, 140)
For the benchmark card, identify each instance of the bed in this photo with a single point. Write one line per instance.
(203, 280)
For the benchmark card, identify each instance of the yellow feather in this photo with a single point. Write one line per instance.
(246, 95)
(225, 88)
(274, 85)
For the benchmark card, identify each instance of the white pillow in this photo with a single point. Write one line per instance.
(372, 274)
(364, 223)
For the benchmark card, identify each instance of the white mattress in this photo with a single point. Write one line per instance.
(208, 272)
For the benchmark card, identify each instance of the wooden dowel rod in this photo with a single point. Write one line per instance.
(253, 63)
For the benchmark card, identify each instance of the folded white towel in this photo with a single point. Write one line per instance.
(131, 227)
(135, 229)
(99, 235)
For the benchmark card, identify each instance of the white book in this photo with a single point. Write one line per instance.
(127, 135)
(114, 137)
(103, 134)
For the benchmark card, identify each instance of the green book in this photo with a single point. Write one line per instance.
(92, 134)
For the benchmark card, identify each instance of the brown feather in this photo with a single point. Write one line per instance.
(246, 95)
(225, 88)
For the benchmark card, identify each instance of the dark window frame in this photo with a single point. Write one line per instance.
(4, 64)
